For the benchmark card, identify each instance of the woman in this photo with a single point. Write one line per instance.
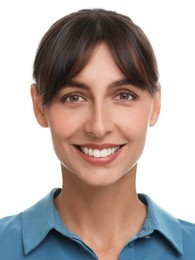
(96, 88)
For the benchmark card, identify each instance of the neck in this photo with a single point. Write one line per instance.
(87, 210)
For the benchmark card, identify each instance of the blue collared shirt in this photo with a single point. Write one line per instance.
(38, 233)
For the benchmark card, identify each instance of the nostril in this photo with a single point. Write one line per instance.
(98, 129)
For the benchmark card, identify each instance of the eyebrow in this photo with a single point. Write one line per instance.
(121, 82)
(117, 83)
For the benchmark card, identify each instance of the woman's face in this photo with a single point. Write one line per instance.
(99, 121)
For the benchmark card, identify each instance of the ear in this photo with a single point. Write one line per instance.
(156, 108)
(38, 107)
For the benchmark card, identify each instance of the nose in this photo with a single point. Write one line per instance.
(99, 122)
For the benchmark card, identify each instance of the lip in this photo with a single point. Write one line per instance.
(99, 146)
(99, 160)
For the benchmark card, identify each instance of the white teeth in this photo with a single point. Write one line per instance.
(96, 153)
(86, 150)
(99, 153)
(109, 151)
(104, 153)
(90, 152)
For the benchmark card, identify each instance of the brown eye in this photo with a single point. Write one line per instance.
(125, 96)
(72, 98)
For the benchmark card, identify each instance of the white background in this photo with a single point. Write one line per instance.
(28, 165)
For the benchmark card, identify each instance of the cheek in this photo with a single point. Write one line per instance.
(63, 125)
(133, 123)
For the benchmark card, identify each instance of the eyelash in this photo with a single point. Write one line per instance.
(125, 93)
(65, 98)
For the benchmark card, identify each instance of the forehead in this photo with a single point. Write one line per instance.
(101, 73)
(101, 67)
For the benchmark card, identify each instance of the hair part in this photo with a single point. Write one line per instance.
(68, 45)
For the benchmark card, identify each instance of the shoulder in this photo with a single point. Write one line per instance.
(188, 230)
(10, 235)
(20, 233)
(188, 239)
(11, 223)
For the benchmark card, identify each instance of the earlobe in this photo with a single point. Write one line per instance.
(37, 107)
(156, 108)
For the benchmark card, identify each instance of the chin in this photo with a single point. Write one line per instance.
(98, 181)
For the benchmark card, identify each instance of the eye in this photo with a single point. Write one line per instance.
(125, 96)
(72, 98)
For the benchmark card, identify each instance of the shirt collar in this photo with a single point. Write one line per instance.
(159, 220)
(38, 220)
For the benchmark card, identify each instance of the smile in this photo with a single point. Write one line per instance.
(99, 153)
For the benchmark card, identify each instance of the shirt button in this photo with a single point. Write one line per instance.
(131, 244)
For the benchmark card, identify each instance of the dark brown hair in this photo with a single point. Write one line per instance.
(69, 43)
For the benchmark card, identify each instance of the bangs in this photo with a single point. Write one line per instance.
(70, 43)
